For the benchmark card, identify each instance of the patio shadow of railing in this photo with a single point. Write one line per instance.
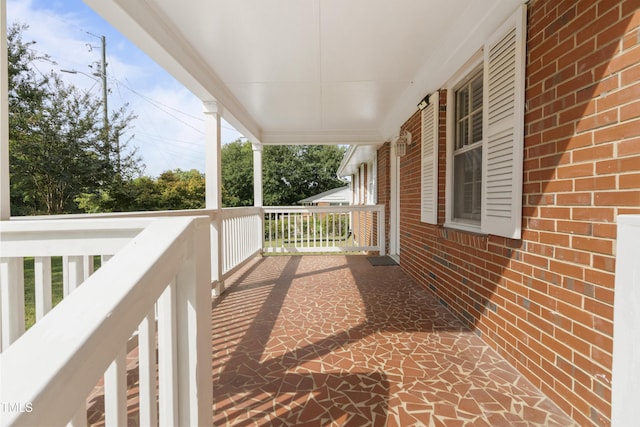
(259, 381)
(251, 387)
(331, 340)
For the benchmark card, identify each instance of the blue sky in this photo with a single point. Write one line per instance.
(169, 129)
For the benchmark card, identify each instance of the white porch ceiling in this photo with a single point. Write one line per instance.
(310, 71)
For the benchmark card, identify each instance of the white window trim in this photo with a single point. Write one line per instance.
(504, 218)
(471, 65)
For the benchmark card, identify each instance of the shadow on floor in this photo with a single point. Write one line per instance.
(331, 340)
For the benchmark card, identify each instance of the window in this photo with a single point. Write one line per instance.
(485, 136)
(467, 155)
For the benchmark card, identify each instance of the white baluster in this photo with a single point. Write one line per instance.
(88, 267)
(115, 390)
(147, 370)
(42, 276)
(167, 357)
(12, 299)
(76, 271)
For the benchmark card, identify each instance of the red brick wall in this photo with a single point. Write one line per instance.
(546, 302)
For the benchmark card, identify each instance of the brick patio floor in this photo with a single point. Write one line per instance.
(331, 340)
(334, 341)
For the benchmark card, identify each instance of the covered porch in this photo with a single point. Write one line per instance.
(185, 322)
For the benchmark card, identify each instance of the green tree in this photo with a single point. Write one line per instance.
(182, 189)
(58, 146)
(131, 195)
(56, 158)
(26, 94)
(292, 173)
(281, 177)
(237, 174)
(174, 189)
(321, 164)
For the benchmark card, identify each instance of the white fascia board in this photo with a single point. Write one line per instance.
(342, 169)
(354, 157)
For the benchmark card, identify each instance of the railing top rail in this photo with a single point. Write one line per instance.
(211, 213)
(100, 314)
(240, 211)
(323, 209)
(112, 215)
(47, 221)
(68, 236)
(72, 224)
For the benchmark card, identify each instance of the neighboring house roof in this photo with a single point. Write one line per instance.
(336, 195)
(354, 157)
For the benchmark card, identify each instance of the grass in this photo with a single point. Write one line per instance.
(56, 286)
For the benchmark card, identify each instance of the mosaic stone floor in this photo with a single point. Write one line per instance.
(333, 341)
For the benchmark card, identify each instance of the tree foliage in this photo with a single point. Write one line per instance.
(58, 145)
(295, 172)
(290, 173)
(237, 174)
(176, 189)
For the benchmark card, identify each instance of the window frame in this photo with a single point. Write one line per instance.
(477, 73)
(474, 65)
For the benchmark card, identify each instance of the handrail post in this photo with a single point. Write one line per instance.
(193, 328)
(213, 187)
(11, 300)
(217, 248)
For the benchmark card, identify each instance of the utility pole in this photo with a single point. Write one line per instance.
(102, 74)
(105, 91)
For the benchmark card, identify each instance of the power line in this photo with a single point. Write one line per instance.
(164, 138)
(163, 108)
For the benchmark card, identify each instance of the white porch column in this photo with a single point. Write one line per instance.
(257, 174)
(213, 182)
(5, 201)
(394, 204)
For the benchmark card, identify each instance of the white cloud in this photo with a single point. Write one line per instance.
(169, 130)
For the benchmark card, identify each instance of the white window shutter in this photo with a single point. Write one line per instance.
(504, 56)
(429, 172)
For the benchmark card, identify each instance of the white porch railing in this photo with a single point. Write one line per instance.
(324, 229)
(159, 264)
(155, 278)
(241, 236)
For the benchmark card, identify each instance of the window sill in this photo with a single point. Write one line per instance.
(464, 226)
